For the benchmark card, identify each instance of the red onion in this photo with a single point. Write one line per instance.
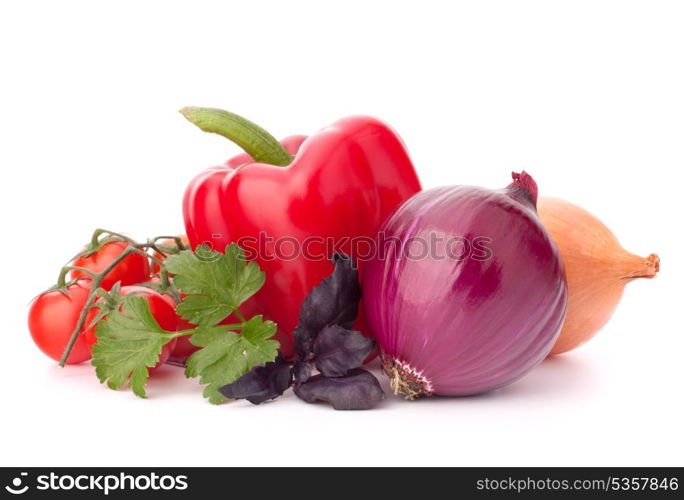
(482, 307)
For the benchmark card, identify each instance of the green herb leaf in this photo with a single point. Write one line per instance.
(226, 356)
(216, 283)
(129, 342)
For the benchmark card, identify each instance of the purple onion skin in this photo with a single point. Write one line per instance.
(458, 327)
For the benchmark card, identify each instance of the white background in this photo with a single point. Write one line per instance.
(588, 96)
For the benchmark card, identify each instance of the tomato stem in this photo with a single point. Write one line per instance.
(61, 280)
(254, 140)
(92, 295)
(95, 242)
(178, 241)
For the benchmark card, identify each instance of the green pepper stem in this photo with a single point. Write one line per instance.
(254, 140)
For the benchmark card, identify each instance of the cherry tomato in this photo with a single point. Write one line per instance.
(52, 319)
(162, 307)
(132, 270)
(168, 242)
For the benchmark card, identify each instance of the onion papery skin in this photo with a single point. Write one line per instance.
(597, 269)
(458, 327)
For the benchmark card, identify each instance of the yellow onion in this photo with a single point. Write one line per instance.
(597, 269)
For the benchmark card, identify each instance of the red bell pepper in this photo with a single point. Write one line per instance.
(335, 186)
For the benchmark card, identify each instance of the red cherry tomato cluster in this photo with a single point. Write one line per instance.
(53, 315)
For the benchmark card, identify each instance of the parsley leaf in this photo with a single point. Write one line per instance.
(216, 283)
(129, 342)
(226, 356)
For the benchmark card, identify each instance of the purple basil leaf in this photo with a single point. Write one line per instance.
(338, 350)
(335, 301)
(359, 390)
(303, 342)
(261, 383)
(302, 372)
